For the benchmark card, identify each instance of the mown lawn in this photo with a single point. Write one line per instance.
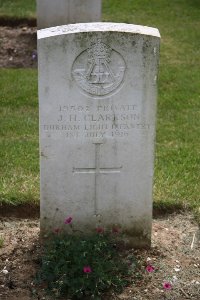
(19, 167)
(177, 164)
(18, 8)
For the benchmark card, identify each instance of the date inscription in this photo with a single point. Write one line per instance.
(77, 121)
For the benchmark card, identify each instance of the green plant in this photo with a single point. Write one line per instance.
(79, 265)
(1, 242)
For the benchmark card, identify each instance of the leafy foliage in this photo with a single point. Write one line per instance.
(79, 266)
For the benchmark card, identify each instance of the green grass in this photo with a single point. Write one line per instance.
(177, 165)
(19, 166)
(177, 172)
(18, 8)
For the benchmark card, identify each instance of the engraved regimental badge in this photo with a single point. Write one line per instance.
(99, 70)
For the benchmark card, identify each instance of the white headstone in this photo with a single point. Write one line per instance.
(97, 94)
(58, 12)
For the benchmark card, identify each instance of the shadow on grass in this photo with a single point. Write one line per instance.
(167, 208)
(12, 21)
(24, 211)
(32, 211)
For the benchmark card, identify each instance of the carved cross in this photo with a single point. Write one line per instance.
(97, 170)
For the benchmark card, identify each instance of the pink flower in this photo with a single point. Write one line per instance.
(68, 220)
(99, 230)
(115, 230)
(56, 230)
(34, 55)
(150, 268)
(87, 269)
(167, 285)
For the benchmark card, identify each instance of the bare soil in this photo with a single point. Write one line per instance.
(18, 47)
(175, 254)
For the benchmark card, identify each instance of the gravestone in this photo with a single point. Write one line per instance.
(97, 94)
(57, 12)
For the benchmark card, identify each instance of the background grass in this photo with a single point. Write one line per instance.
(177, 165)
(19, 167)
(18, 8)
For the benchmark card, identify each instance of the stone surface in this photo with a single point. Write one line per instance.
(97, 94)
(53, 13)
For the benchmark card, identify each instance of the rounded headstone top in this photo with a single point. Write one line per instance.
(95, 27)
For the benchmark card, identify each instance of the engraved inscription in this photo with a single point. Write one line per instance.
(82, 121)
(99, 70)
